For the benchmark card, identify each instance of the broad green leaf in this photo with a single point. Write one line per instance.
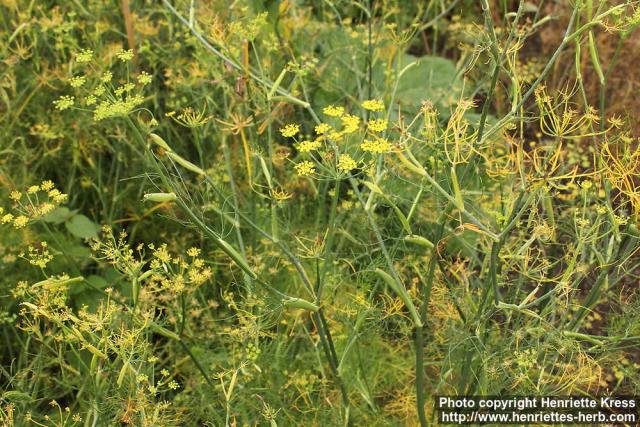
(431, 78)
(59, 215)
(82, 227)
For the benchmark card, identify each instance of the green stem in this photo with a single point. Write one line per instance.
(419, 339)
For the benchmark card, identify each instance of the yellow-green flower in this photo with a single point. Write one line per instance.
(333, 111)
(106, 77)
(335, 136)
(305, 168)
(373, 105)
(307, 146)
(193, 252)
(64, 102)
(290, 130)
(144, 78)
(377, 146)
(20, 222)
(322, 128)
(77, 81)
(378, 125)
(125, 55)
(90, 100)
(84, 55)
(350, 123)
(346, 163)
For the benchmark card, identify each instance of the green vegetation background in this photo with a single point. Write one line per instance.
(314, 212)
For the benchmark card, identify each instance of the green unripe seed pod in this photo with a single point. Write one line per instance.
(301, 303)
(185, 163)
(160, 142)
(160, 197)
(419, 240)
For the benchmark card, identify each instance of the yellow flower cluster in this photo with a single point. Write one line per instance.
(322, 128)
(174, 273)
(290, 130)
(377, 146)
(346, 163)
(77, 81)
(190, 118)
(333, 111)
(125, 55)
(167, 272)
(105, 78)
(307, 146)
(377, 125)
(144, 78)
(351, 123)
(120, 103)
(373, 105)
(120, 108)
(64, 102)
(41, 256)
(85, 55)
(34, 203)
(305, 168)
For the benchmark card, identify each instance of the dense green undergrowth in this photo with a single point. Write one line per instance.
(312, 213)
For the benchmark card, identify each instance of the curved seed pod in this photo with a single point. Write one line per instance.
(144, 275)
(93, 350)
(159, 197)
(291, 100)
(53, 284)
(412, 167)
(123, 371)
(239, 259)
(265, 170)
(301, 303)
(185, 163)
(276, 84)
(404, 296)
(160, 142)
(94, 364)
(163, 331)
(419, 240)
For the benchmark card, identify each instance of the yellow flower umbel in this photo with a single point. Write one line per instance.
(85, 55)
(119, 108)
(305, 168)
(322, 128)
(64, 102)
(333, 111)
(378, 125)
(351, 123)
(307, 146)
(144, 78)
(96, 91)
(190, 118)
(290, 130)
(373, 105)
(125, 55)
(36, 202)
(346, 163)
(377, 146)
(77, 81)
